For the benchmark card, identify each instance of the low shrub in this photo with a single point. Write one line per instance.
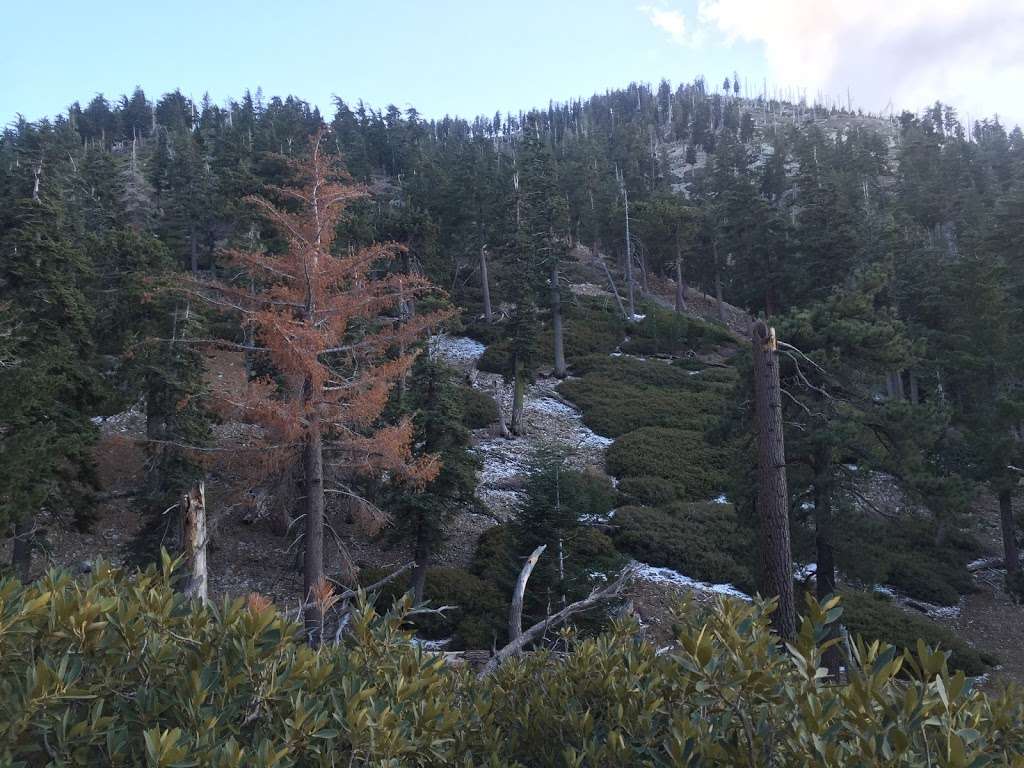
(875, 618)
(665, 332)
(479, 409)
(682, 457)
(903, 554)
(647, 491)
(702, 541)
(119, 669)
(479, 619)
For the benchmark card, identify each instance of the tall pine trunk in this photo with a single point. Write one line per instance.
(772, 493)
(313, 563)
(21, 553)
(1011, 554)
(485, 286)
(193, 249)
(556, 323)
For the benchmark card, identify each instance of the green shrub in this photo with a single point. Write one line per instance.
(647, 491)
(702, 541)
(903, 554)
(669, 333)
(478, 620)
(118, 669)
(478, 408)
(682, 457)
(875, 618)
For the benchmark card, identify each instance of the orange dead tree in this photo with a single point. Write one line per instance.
(335, 330)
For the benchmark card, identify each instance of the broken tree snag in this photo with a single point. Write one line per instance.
(515, 614)
(193, 541)
(614, 589)
(772, 495)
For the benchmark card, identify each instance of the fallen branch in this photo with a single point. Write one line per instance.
(598, 596)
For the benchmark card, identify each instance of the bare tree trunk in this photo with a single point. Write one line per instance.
(485, 285)
(629, 259)
(313, 563)
(556, 322)
(21, 552)
(772, 493)
(518, 393)
(611, 282)
(193, 541)
(1011, 555)
(894, 385)
(193, 248)
(825, 569)
(421, 553)
(718, 289)
(680, 285)
(915, 389)
(515, 614)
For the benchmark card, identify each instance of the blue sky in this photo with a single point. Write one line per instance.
(477, 57)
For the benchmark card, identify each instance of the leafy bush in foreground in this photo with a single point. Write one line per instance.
(120, 670)
(479, 409)
(874, 618)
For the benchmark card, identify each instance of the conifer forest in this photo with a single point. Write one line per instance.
(677, 425)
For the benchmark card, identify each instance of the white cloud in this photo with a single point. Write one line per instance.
(963, 52)
(667, 19)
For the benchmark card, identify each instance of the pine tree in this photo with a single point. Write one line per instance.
(323, 321)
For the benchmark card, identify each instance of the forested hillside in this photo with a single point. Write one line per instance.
(402, 353)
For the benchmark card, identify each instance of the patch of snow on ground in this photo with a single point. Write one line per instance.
(804, 572)
(456, 347)
(432, 645)
(720, 499)
(650, 573)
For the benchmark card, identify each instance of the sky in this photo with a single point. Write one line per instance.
(469, 58)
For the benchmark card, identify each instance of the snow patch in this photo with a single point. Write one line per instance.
(656, 575)
(456, 347)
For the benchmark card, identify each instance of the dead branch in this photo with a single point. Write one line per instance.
(525, 638)
(515, 614)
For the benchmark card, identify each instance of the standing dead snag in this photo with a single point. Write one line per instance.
(515, 614)
(331, 324)
(193, 541)
(772, 494)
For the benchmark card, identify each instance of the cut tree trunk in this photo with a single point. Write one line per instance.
(193, 542)
(1011, 555)
(21, 552)
(485, 286)
(556, 323)
(772, 493)
(313, 562)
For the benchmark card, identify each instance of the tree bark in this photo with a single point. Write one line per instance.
(518, 394)
(485, 286)
(21, 552)
(772, 493)
(193, 541)
(611, 282)
(556, 323)
(313, 561)
(1011, 555)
